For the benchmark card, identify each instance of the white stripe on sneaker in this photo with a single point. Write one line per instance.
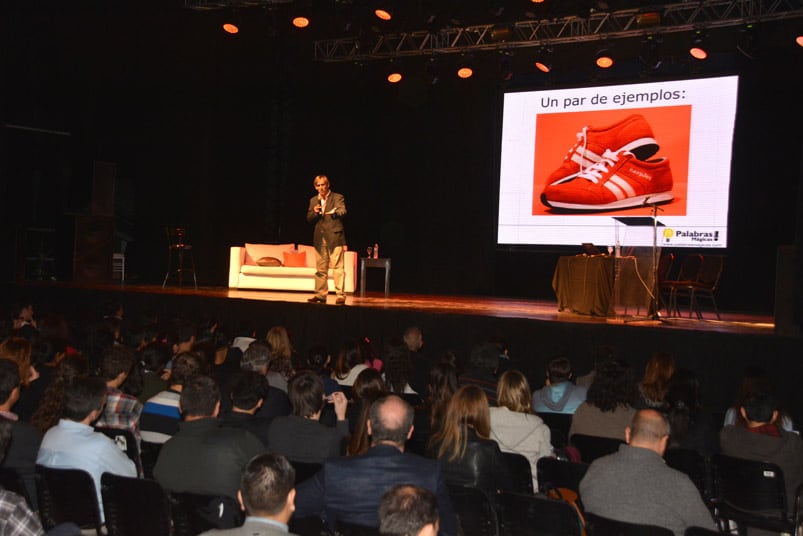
(624, 185)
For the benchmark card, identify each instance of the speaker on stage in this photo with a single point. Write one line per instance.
(94, 245)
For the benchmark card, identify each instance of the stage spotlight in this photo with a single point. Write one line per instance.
(604, 59)
(650, 54)
(231, 28)
(465, 67)
(300, 21)
(383, 11)
(799, 40)
(698, 48)
(394, 72)
(543, 60)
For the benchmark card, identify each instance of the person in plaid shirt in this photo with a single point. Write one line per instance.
(122, 411)
(15, 515)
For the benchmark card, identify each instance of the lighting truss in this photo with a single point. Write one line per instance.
(679, 17)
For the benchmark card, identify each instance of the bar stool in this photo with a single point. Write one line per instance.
(176, 247)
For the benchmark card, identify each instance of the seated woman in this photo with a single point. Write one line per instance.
(608, 408)
(368, 387)
(690, 428)
(514, 425)
(468, 456)
(349, 364)
(652, 388)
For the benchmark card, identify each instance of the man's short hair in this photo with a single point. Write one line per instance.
(184, 332)
(559, 370)
(199, 396)
(413, 338)
(265, 483)
(186, 366)
(9, 379)
(247, 388)
(155, 356)
(320, 177)
(406, 509)
(760, 406)
(390, 427)
(115, 360)
(255, 357)
(83, 396)
(649, 425)
(305, 392)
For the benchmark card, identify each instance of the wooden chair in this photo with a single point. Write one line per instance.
(134, 506)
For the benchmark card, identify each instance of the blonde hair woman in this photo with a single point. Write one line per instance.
(514, 424)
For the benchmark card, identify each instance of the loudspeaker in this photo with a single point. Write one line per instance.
(94, 245)
(786, 321)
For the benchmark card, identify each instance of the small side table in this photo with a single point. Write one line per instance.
(368, 262)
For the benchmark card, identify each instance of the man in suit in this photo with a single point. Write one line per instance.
(266, 494)
(350, 489)
(326, 211)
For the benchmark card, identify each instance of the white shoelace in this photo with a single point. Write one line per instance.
(594, 172)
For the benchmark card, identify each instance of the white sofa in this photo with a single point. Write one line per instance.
(245, 273)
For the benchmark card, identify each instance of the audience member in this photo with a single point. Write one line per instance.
(514, 425)
(652, 388)
(636, 486)
(350, 488)
(690, 427)
(318, 361)
(282, 355)
(398, 368)
(247, 395)
(559, 394)
(51, 405)
(23, 323)
(608, 408)
(482, 370)
(267, 495)
(202, 457)
(19, 350)
(408, 511)
(161, 414)
(25, 439)
(121, 411)
(154, 357)
(414, 340)
(74, 444)
(468, 455)
(762, 439)
(368, 387)
(255, 359)
(16, 516)
(349, 364)
(300, 436)
(755, 380)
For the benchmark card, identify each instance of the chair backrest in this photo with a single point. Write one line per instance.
(193, 513)
(521, 473)
(603, 526)
(134, 506)
(690, 268)
(694, 465)
(12, 480)
(749, 485)
(521, 513)
(593, 447)
(710, 271)
(305, 470)
(349, 529)
(475, 510)
(559, 424)
(67, 495)
(665, 266)
(148, 454)
(126, 441)
(554, 473)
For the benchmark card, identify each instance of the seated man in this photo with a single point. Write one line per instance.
(15, 515)
(161, 415)
(247, 395)
(121, 411)
(636, 486)
(266, 494)
(202, 457)
(255, 359)
(300, 436)
(763, 439)
(74, 444)
(350, 488)
(408, 511)
(559, 395)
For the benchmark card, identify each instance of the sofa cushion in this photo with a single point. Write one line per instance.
(258, 251)
(295, 259)
(269, 261)
(278, 271)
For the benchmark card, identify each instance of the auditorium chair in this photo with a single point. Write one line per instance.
(194, 513)
(753, 494)
(126, 441)
(476, 513)
(67, 495)
(559, 424)
(694, 465)
(554, 473)
(134, 506)
(521, 474)
(522, 513)
(593, 447)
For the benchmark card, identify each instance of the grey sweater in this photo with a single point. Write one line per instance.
(635, 485)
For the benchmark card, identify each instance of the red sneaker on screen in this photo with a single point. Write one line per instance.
(632, 133)
(619, 180)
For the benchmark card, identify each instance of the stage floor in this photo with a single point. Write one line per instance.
(543, 310)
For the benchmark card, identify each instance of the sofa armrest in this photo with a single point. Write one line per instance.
(350, 262)
(236, 260)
